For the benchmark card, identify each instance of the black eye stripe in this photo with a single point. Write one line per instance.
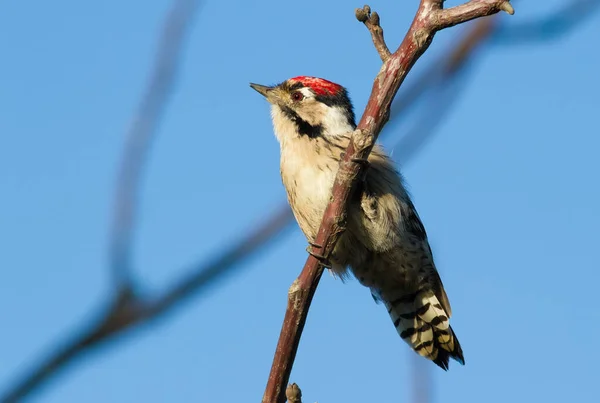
(339, 99)
(304, 128)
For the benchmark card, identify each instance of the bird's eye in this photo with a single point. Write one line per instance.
(297, 96)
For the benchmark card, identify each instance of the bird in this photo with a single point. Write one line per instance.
(385, 245)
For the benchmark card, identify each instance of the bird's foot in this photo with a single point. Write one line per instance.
(361, 161)
(322, 259)
(316, 245)
(363, 176)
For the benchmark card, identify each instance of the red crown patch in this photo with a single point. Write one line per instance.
(320, 86)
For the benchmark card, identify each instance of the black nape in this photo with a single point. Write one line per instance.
(342, 101)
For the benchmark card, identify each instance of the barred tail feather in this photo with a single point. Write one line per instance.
(423, 323)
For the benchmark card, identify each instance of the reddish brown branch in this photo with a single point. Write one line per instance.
(429, 19)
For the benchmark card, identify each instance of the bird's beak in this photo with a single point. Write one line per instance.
(261, 89)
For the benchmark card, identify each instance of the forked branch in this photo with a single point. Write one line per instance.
(371, 21)
(429, 19)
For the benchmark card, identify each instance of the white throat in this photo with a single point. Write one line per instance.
(332, 122)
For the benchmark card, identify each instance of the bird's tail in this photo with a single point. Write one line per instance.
(423, 323)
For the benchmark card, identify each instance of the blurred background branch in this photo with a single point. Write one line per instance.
(125, 307)
(145, 124)
(438, 86)
(551, 27)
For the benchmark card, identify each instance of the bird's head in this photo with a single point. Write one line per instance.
(308, 106)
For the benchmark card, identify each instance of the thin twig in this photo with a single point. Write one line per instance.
(429, 19)
(371, 21)
(445, 18)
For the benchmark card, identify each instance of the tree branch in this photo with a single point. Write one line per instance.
(371, 21)
(429, 19)
(444, 18)
(139, 139)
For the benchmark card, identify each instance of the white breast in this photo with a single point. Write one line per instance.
(308, 178)
(308, 165)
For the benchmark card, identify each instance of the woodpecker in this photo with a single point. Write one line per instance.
(385, 244)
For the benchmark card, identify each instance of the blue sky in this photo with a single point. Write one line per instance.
(508, 191)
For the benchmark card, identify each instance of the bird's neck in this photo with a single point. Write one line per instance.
(334, 125)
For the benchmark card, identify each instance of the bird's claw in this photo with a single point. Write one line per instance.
(361, 161)
(316, 245)
(322, 259)
(366, 164)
